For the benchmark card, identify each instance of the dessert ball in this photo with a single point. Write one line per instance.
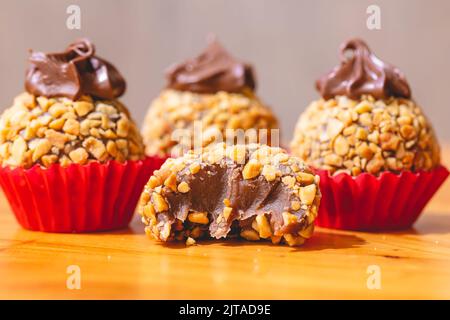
(252, 191)
(204, 97)
(56, 142)
(366, 120)
(68, 115)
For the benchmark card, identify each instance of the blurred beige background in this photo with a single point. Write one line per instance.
(290, 43)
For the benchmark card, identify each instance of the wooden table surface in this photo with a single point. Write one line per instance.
(333, 264)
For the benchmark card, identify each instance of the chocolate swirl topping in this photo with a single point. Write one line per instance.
(212, 71)
(363, 73)
(73, 73)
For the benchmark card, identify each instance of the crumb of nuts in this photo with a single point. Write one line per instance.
(95, 147)
(227, 212)
(269, 172)
(289, 218)
(275, 239)
(183, 187)
(82, 108)
(292, 240)
(289, 181)
(79, 155)
(190, 241)
(308, 194)
(296, 205)
(198, 217)
(250, 234)
(263, 226)
(307, 233)
(42, 147)
(159, 202)
(251, 169)
(194, 168)
(171, 182)
(154, 182)
(58, 130)
(305, 178)
(71, 126)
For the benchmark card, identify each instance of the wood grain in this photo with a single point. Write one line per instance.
(125, 264)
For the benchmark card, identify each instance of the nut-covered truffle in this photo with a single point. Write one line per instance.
(365, 135)
(41, 130)
(252, 191)
(366, 120)
(205, 96)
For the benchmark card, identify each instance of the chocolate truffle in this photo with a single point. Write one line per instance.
(365, 121)
(213, 90)
(69, 113)
(252, 191)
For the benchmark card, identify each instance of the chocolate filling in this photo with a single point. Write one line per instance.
(215, 183)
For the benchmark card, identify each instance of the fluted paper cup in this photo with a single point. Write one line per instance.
(77, 198)
(376, 203)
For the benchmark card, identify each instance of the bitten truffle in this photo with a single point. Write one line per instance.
(252, 191)
(214, 91)
(366, 120)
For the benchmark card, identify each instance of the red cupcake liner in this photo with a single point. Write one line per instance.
(77, 198)
(370, 203)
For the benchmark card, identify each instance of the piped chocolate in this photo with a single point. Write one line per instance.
(362, 73)
(73, 73)
(212, 71)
